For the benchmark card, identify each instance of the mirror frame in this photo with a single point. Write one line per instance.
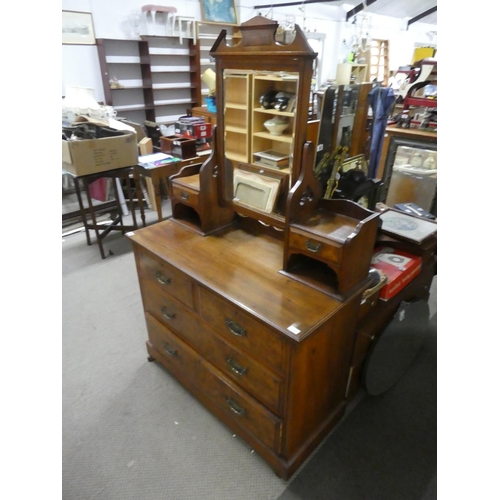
(257, 50)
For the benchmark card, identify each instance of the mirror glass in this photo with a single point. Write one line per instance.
(259, 126)
(414, 178)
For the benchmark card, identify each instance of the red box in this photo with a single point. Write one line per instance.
(400, 268)
(203, 130)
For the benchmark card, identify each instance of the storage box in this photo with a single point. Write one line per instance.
(179, 146)
(400, 268)
(90, 156)
(193, 126)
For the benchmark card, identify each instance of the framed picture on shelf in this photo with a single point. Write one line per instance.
(255, 190)
(219, 12)
(77, 28)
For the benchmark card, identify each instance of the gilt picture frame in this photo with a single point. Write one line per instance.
(256, 191)
(77, 28)
(219, 12)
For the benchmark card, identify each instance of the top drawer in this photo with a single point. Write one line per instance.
(167, 278)
(316, 247)
(187, 196)
(242, 330)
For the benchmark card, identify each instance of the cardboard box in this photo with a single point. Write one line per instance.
(84, 157)
(400, 268)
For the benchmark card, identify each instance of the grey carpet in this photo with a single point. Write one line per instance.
(130, 431)
(387, 447)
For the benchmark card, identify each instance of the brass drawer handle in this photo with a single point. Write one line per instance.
(236, 408)
(170, 351)
(184, 195)
(313, 246)
(161, 278)
(235, 329)
(166, 314)
(235, 367)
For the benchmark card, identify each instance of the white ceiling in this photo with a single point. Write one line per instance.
(400, 9)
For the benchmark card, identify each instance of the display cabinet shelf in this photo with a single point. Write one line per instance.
(169, 102)
(279, 138)
(171, 86)
(170, 69)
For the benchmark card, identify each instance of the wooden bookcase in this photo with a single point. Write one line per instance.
(351, 73)
(159, 77)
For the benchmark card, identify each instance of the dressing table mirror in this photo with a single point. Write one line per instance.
(263, 95)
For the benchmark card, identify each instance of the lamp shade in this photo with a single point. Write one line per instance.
(208, 78)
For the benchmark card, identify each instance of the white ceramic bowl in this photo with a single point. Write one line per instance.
(276, 127)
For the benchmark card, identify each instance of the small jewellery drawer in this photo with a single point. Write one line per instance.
(242, 330)
(254, 377)
(166, 309)
(186, 195)
(167, 278)
(315, 247)
(185, 363)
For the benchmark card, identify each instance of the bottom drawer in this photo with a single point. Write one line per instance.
(192, 370)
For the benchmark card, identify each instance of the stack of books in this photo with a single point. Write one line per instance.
(272, 159)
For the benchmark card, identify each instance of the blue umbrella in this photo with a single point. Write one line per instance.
(381, 100)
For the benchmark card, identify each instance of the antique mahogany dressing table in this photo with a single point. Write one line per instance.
(252, 291)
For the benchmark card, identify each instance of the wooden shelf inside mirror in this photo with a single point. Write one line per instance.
(274, 112)
(288, 138)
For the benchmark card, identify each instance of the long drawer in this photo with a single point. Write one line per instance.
(254, 377)
(166, 309)
(242, 330)
(168, 278)
(185, 364)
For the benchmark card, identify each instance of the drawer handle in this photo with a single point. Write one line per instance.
(184, 196)
(235, 367)
(313, 246)
(162, 278)
(170, 351)
(166, 314)
(236, 408)
(235, 329)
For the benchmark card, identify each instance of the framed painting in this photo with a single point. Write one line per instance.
(219, 12)
(77, 28)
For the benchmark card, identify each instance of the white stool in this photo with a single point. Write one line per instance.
(157, 18)
(183, 26)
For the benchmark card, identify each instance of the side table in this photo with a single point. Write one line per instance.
(156, 174)
(102, 230)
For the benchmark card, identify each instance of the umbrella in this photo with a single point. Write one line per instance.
(381, 100)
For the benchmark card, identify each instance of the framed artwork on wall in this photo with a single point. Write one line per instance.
(77, 28)
(219, 12)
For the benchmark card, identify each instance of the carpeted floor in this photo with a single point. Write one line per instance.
(130, 431)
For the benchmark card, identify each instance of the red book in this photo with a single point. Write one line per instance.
(400, 268)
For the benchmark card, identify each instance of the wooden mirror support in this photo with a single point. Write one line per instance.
(194, 197)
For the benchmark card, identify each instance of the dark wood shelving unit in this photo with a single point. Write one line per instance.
(121, 56)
